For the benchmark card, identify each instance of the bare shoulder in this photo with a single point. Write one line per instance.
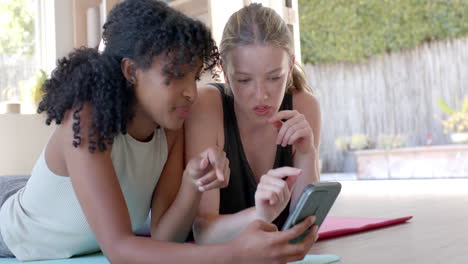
(83, 114)
(74, 128)
(204, 126)
(207, 110)
(306, 103)
(77, 119)
(209, 98)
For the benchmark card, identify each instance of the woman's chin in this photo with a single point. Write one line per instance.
(174, 125)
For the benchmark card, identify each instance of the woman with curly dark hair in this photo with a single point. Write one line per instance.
(117, 151)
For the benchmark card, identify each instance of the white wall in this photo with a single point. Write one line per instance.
(22, 138)
(63, 27)
(55, 36)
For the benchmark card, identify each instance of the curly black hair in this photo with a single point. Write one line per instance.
(135, 29)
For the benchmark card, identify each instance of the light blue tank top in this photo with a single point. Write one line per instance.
(44, 220)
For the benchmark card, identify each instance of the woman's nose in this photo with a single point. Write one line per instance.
(261, 93)
(190, 92)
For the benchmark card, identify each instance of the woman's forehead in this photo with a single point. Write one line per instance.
(257, 58)
(171, 63)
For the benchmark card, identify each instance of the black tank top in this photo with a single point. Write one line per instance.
(240, 193)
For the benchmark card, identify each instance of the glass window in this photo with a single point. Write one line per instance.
(17, 53)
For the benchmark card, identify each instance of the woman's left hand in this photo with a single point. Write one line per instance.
(293, 130)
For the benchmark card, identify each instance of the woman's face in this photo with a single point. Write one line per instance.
(166, 104)
(257, 76)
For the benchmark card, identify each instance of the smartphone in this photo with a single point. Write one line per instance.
(316, 199)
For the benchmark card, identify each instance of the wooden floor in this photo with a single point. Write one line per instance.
(438, 232)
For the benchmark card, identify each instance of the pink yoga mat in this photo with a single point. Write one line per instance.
(338, 226)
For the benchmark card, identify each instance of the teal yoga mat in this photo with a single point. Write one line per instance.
(98, 258)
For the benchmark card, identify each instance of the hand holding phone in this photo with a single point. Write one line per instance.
(273, 193)
(316, 200)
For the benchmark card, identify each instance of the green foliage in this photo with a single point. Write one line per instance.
(391, 141)
(464, 107)
(359, 142)
(445, 107)
(353, 30)
(16, 27)
(36, 91)
(355, 142)
(31, 90)
(342, 143)
(449, 110)
(458, 117)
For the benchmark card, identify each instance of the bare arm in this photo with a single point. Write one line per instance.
(173, 208)
(307, 104)
(204, 128)
(210, 227)
(98, 191)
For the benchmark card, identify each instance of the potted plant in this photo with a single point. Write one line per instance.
(10, 104)
(391, 141)
(457, 122)
(348, 146)
(31, 93)
(36, 92)
(355, 142)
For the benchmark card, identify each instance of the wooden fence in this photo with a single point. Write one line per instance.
(390, 94)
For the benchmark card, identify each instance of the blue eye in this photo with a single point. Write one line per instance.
(275, 78)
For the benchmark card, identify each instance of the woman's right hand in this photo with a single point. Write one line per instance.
(208, 170)
(273, 193)
(261, 242)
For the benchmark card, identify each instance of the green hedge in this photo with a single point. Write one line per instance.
(353, 30)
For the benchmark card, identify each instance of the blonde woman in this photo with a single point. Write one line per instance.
(266, 120)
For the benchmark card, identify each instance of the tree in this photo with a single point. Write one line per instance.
(17, 27)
